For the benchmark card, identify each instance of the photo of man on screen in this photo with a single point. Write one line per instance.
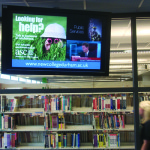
(86, 52)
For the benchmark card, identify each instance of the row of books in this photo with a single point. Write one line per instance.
(12, 104)
(62, 140)
(109, 103)
(64, 103)
(106, 140)
(99, 140)
(105, 120)
(58, 103)
(14, 139)
(10, 121)
(9, 140)
(54, 121)
(78, 118)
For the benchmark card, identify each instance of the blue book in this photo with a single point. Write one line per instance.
(118, 138)
(64, 102)
(114, 104)
(72, 140)
(8, 140)
(78, 140)
(57, 103)
(111, 104)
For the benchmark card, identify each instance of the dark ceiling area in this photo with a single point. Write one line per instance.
(114, 6)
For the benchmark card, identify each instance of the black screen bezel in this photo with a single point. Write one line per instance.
(7, 12)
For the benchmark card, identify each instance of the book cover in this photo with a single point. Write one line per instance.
(68, 139)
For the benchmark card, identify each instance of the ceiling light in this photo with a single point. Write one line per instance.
(14, 78)
(3, 76)
(28, 81)
(22, 79)
(33, 81)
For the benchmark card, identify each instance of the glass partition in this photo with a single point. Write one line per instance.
(143, 51)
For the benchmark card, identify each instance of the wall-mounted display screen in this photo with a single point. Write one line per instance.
(55, 41)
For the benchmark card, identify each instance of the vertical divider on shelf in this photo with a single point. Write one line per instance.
(135, 81)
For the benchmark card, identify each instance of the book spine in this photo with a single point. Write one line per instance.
(65, 140)
(59, 122)
(59, 140)
(6, 121)
(116, 106)
(58, 104)
(99, 99)
(5, 140)
(46, 120)
(64, 102)
(78, 140)
(118, 103)
(96, 104)
(70, 107)
(111, 104)
(102, 103)
(114, 103)
(9, 122)
(124, 102)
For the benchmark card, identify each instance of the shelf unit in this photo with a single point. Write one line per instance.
(68, 128)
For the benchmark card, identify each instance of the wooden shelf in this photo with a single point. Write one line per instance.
(90, 128)
(127, 128)
(27, 128)
(89, 109)
(75, 128)
(27, 110)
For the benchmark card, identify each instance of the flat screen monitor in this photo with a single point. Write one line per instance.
(49, 41)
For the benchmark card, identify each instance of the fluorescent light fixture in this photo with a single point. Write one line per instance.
(3, 76)
(33, 81)
(27, 77)
(38, 82)
(28, 80)
(14, 78)
(143, 32)
(22, 79)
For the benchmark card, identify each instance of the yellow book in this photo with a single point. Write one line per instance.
(59, 140)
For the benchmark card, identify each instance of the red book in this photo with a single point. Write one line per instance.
(94, 104)
(46, 103)
(118, 103)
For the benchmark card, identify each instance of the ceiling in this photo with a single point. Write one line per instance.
(121, 54)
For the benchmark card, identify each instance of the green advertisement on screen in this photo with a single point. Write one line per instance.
(39, 37)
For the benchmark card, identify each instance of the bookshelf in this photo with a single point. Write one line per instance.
(75, 118)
